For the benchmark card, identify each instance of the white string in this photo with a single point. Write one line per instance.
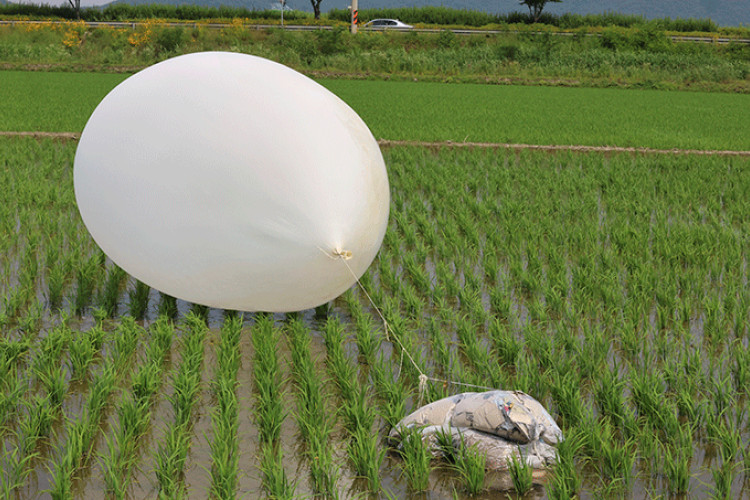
(343, 256)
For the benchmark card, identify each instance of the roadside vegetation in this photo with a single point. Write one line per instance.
(639, 56)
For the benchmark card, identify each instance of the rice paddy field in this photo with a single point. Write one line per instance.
(611, 287)
(425, 111)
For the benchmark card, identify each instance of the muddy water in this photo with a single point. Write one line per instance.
(444, 484)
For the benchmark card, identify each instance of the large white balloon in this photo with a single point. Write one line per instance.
(232, 181)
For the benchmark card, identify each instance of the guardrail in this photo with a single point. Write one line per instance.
(302, 27)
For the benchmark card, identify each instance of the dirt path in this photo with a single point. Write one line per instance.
(584, 149)
(74, 136)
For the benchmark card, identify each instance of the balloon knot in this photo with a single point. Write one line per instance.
(343, 254)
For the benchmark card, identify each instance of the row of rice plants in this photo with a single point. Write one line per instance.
(172, 450)
(75, 451)
(356, 410)
(269, 407)
(314, 420)
(134, 411)
(225, 418)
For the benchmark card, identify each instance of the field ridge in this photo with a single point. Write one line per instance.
(74, 136)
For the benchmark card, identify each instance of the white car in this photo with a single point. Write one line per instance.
(387, 23)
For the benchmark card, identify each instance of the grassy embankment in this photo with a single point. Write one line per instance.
(639, 56)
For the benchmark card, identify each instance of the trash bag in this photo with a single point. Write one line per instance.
(501, 424)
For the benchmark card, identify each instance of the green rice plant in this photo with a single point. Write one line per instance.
(269, 410)
(505, 344)
(167, 306)
(275, 480)
(314, 421)
(723, 477)
(676, 463)
(30, 321)
(113, 469)
(138, 305)
(80, 354)
(70, 456)
(15, 470)
(610, 397)
(416, 459)
(86, 278)
(14, 388)
(566, 481)
(342, 370)
(357, 411)
(368, 338)
(171, 451)
(468, 461)
(53, 379)
(37, 424)
(170, 461)
(224, 417)
(615, 460)
(56, 280)
(365, 456)
(727, 438)
(565, 389)
(520, 473)
(127, 334)
(110, 295)
(392, 393)
(200, 311)
(224, 446)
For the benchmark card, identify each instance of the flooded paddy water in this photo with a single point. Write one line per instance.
(612, 289)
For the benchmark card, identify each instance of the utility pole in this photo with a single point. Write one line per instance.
(283, 5)
(355, 12)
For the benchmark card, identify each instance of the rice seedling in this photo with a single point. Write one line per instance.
(53, 379)
(416, 459)
(723, 477)
(86, 278)
(138, 305)
(81, 353)
(676, 463)
(15, 470)
(224, 418)
(167, 306)
(110, 295)
(275, 480)
(269, 411)
(73, 452)
(520, 473)
(56, 280)
(314, 422)
(566, 482)
(366, 456)
(172, 450)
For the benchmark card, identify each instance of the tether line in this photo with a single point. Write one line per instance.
(343, 256)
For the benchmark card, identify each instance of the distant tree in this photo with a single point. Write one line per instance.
(76, 4)
(535, 7)
(315, 6)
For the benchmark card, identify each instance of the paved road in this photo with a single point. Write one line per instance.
(294, 27)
